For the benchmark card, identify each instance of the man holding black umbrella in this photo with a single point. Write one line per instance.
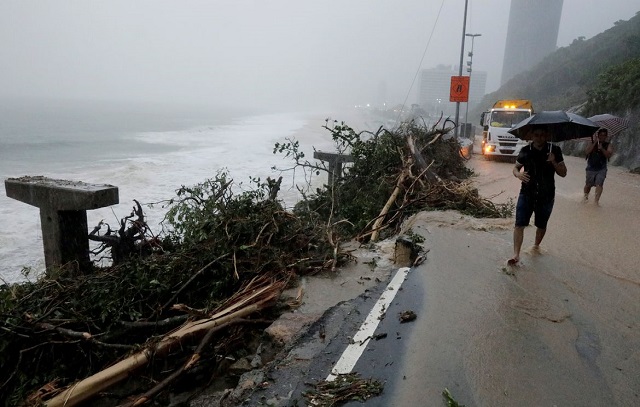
(541, 161)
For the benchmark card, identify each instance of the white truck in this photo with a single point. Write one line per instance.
(496, 140)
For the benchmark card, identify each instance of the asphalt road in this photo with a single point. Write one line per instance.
(562, 329)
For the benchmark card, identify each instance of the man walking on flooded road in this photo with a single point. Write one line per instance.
(541, 162)
(598, 153)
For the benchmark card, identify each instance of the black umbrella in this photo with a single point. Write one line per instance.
(562, 125)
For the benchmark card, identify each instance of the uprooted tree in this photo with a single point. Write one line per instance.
(132, 238)
(394, 174)
(170, 316)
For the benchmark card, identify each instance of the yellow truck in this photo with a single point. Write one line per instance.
(496, 122)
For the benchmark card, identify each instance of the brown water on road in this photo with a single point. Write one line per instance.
(561, 329)
(604, 237)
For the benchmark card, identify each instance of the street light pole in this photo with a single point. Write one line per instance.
(469, 69)
(464, 28)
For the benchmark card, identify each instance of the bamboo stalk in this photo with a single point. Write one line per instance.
(146, 397)
(104, 379)
(387, 206)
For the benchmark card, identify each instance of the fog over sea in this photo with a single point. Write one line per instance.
(147, 152)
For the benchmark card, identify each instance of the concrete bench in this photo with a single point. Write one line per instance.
(63, 214)
(335, 161)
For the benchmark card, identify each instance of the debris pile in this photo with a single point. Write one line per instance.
(394, 175)
(173, 309)
(345, 387)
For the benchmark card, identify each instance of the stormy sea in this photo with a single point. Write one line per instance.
(148, 152)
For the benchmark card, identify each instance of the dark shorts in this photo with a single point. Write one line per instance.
(527, 206)
(596, 177)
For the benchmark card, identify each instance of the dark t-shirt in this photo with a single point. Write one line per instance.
(541, 184)
(596, 160)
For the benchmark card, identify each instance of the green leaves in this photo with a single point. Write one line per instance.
(616, 90)
(191, 214)
(449, 400)
(291, 149)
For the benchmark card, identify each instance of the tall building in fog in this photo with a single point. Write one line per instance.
(532, 34)
(435, 85)
(477, 87)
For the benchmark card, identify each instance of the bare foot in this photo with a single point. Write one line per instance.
(513, 261)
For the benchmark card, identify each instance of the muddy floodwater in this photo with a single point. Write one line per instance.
(570, 317)
(562, 328)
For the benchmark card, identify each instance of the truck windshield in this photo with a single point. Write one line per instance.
(508, 118)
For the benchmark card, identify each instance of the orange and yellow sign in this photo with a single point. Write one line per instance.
(459, 89)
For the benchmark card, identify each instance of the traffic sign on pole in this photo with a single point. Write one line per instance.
(459, 89)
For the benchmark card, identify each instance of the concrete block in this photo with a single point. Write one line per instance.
(332, 157)
(63, 217)
(335, 161)
(61, 195)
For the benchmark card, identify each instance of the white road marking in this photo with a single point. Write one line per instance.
(360, 340)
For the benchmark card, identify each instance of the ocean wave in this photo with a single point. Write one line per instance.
(141, 168)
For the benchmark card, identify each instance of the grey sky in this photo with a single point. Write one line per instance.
(264, 52)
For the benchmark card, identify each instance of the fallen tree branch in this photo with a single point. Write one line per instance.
(153, 324)
(387, 206)
(64, 331)
(150, 394)
(250, 300)
(193, 277)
